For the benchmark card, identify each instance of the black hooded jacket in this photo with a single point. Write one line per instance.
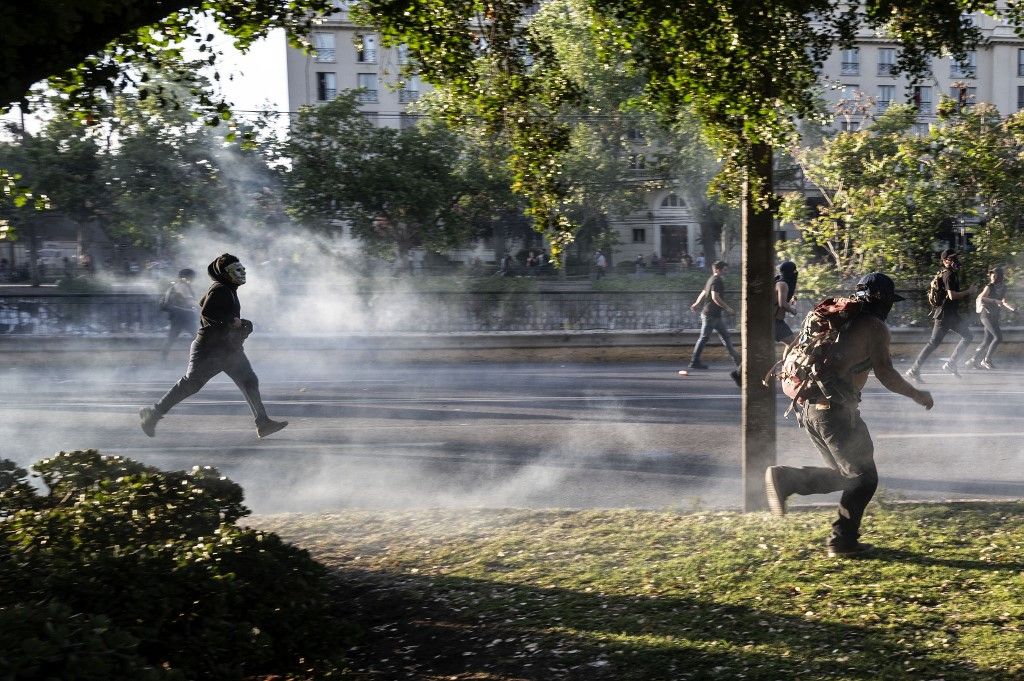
(219, 307)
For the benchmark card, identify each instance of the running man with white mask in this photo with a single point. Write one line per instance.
(216, 348)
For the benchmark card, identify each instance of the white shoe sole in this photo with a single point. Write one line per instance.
(776, 504)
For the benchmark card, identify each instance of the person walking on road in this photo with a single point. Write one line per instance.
(216, 348)
(990, 302)
(179, 302)
(947, 317)
(784, 301)
(713, 297)
(835, 425)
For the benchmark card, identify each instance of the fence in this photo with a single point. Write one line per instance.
(321, 312)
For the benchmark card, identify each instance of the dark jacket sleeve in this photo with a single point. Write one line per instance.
(218, 307)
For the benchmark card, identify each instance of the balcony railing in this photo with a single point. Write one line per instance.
(324, 54)
(886, 69)
(405, 95)
(850, 68)
(366, 56)
(366, 96)
(962, 71)
(328, 93)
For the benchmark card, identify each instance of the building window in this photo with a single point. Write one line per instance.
(366, 48)
(403, 54)
(371, 117)
(1020, 63)
(639, 236)
(850, 62)
(637, 162)
(923, 99)
(672, 201)
(965, 69)
(886, 61)
(1020, 97)
(965, 97)
(634, 134)
(323, 47)
(326, 86)
(367, 84)
(410, 91)
(886, 93)
(406, 121)
(847, 125)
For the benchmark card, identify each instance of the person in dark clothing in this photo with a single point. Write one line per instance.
(990, 302)
(179, 304)
(784, 301)
(947, 318)
(835, 426)
(216, 348)
(713, 297)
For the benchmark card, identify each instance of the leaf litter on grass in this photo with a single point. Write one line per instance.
(659, 595)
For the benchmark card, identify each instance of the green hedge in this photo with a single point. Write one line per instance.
(137, 573)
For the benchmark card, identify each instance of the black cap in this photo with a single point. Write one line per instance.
(187, 273)
(949, 253)
(878, 285)
(787, 267)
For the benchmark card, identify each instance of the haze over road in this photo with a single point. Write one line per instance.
(512, 435)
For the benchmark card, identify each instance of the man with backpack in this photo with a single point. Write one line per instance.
(853, 340)
(944, 295)
(179, 302)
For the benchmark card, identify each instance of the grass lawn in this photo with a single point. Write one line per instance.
(664, 595)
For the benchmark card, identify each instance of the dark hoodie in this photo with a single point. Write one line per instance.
(219, 307)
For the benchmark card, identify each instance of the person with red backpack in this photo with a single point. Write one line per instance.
(824, 371)
(944, 296)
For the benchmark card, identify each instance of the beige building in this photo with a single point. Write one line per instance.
(861, 82)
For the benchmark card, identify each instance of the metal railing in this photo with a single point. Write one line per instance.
(323, 311)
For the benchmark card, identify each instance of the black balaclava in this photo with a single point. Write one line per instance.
(878, 293)
(218, 269)
(787, 273)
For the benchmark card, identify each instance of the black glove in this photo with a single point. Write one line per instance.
(245, 329)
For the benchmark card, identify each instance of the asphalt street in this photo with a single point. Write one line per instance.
(503, 435)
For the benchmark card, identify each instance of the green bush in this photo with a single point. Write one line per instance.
(158, 555)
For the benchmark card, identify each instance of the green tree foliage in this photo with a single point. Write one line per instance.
(418, 186)
(892, 196)
(143, 574)
(95, 46)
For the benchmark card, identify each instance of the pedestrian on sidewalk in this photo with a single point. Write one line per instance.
(946, 316)
(216, 348)
(713, 297)
(989, 304)
(835, 425)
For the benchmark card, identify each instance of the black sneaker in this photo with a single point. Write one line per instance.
(950, 368)
(848, 549)
(269, 427)
(698, 365)
(914, 373)
(735, 375)
(776, 489)
(148, 417)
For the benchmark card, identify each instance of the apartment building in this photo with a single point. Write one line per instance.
(860, 81)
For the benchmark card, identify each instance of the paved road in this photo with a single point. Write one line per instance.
(549, 435)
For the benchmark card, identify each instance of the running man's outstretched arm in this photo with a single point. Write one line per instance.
(885, 372)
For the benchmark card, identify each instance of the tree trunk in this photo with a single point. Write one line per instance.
(757, 326)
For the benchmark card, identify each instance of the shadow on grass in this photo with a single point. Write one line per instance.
(904, 556)
(427, 627)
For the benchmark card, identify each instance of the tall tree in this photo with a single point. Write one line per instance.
(399, 189)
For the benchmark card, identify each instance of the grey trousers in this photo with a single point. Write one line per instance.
(843, 440)
(204, 364)
(707, 325)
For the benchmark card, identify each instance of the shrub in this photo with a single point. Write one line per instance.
(158, 555)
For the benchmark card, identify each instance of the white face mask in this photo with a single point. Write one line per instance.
(235, 273)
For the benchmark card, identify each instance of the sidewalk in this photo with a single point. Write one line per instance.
(526, 346)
